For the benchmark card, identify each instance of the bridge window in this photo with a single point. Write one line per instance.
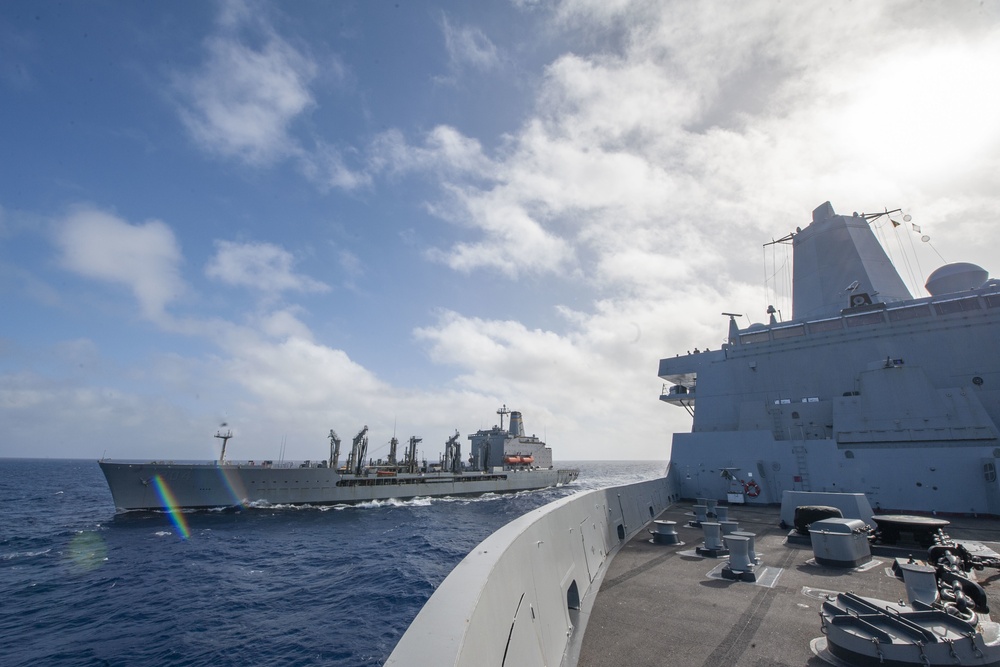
(755, 337)
(789, 332)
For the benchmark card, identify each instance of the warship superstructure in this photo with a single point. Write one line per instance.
(865, 389)
(502, 460)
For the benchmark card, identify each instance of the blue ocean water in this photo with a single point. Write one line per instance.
(80, 585)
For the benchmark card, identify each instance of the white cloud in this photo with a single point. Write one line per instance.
(444, 151)
(325, 166)
(102, 418)
(243, 100)
(515, 242)
(145, 257)
(261, 266)
(252, 85)
(468, 47)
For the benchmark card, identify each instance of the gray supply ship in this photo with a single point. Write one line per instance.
(866, 400)
(501, 461)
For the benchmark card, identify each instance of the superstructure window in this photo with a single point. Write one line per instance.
(756, 337)
(911, 313)
(957, 306)
(825, 325)
(788, 332)
(864, 320)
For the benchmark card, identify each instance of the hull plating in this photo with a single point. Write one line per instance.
(144, 486)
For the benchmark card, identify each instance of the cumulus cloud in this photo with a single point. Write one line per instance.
(243, 99)
(144, 257)
(703, 122)
(261, 266)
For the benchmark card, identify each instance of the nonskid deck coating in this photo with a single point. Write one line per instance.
(659, 606)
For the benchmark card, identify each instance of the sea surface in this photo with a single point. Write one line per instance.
(81, 585)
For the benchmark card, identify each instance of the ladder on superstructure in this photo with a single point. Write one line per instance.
(803, 465)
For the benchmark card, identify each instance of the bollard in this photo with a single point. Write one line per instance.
(751, 551)
(713, 541)
(664, 533)
(700, 514)
(739, 567)
(729, 527)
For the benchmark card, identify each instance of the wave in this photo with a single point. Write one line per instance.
(25, 554)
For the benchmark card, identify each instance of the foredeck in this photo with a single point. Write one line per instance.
(659, 606)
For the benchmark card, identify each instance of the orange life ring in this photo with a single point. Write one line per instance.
(752, 489)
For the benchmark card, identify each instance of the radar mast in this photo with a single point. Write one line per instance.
(225, 438)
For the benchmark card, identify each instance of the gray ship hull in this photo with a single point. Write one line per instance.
(157, 486)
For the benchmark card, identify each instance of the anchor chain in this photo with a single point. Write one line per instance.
(923, 656)
(878, 651)
(951, 651)
(975, 647)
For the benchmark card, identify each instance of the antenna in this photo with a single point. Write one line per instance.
(734, 329)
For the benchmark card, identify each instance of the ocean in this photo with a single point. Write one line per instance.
(81, 585)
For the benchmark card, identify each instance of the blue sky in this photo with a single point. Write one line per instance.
(292, 217)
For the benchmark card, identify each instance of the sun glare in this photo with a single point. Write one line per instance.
(923, 113)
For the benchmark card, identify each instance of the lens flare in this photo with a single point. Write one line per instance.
(234, 486)
(87, 550)
(170, 505)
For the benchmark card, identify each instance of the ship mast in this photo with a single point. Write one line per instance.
(503, 411)
(225, 438)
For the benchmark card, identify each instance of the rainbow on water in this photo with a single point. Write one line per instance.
(170, 505)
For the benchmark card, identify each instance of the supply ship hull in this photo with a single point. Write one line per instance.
(151, 486)
(502, 461)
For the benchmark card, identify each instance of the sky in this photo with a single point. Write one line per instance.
(295, 217)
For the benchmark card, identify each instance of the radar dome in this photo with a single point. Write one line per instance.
(957, 277)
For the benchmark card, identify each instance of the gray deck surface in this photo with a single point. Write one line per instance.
(657, 606)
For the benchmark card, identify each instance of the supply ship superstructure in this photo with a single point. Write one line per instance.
(502, 460)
